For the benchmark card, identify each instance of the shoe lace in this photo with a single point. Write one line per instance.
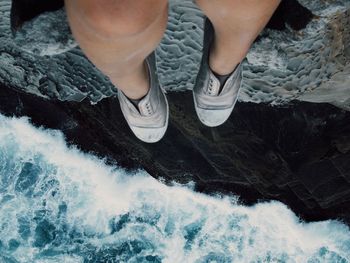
(146, 109)
(212, 89)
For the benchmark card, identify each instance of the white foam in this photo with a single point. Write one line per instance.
(163, 216)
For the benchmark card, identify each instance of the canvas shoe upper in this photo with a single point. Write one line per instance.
(213, 102)
(149, 119)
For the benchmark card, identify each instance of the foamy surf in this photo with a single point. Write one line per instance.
(58, 204)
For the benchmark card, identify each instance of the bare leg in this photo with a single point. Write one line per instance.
(117, 36)
(237, 23)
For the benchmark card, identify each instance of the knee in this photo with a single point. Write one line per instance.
(110, 18)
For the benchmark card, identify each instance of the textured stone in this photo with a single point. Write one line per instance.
(310, 64)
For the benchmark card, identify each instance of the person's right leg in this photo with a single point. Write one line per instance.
(117, 36)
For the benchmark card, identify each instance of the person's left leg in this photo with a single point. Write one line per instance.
(231, 28)
(237, 23)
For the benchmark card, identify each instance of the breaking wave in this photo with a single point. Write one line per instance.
(58, 204)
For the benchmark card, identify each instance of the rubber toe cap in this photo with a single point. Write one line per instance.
(149, 135)
(213, 118)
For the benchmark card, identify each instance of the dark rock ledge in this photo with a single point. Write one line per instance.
(298, 154)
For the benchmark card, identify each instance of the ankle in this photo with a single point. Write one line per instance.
(223, 66)
(135, 85)
(135, 93)
(227, 52)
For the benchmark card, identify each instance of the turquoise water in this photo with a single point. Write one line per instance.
(58, 204)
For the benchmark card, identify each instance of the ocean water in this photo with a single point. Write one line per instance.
(58, 204)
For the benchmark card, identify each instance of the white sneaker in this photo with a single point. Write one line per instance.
(149, 119)
(213, 102)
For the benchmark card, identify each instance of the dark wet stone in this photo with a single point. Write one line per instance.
(292, 13)
(288, 153)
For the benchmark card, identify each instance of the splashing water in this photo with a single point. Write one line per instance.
(58, 204)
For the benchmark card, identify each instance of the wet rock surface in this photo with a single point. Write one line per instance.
(298, 154)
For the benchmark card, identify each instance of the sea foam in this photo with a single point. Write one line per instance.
(58, 204)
